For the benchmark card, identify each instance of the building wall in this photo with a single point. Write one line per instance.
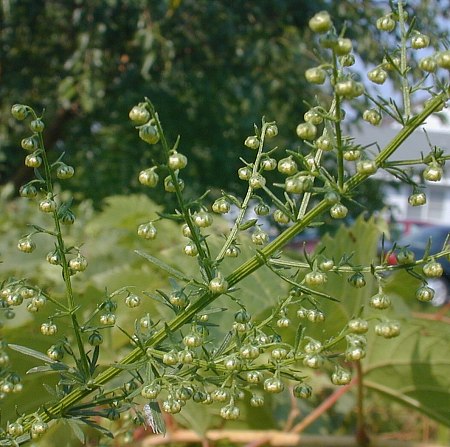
(436, 211)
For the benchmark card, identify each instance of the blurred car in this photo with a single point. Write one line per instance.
(403, 228)
(435, 237)
(306, 240)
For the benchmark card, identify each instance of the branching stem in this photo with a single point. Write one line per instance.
(71, 306)
(404, 63)
(234, 231)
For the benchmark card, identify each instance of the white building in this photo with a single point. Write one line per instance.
(437, 209)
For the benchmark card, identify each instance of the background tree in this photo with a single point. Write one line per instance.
(213, 68)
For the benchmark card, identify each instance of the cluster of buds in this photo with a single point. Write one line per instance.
(41, 188)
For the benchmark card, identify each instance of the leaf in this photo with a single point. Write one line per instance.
(298, 337)
(232, 199)
(74, 424)
(197, 417)
(31, 353)
(153, 418)
(213, 310)
(414, 368)
(361, 240)
(97, 427)
(246, 225)
(50, 390)
(39, 369)
(20, 440)
(163, 266)
(64, 207)
(122, 212)
(55, 367)
(94, 360)
(130, 366)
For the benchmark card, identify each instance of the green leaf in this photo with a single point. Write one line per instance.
(54, 367)
(246, 225)
(74, 424)
(298, 337)
(153, 418)
(414, 368)
(162, 265)
(360, 240)
(31, 353)
(97, 427)
(123, 212)
(130, 366)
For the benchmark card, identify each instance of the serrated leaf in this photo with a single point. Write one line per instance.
(413, 368)
(356, 245)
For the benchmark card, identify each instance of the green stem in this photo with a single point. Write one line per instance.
(58, 409)
(244, 270)
(307, 195)
(404, 64)
(65, 266)
(353, 269)
(361, 435)
(260, 259)
(280, 205)
(317, 159)
(418, 161)
(433, 105)
(337, 127)
(232, 236)
(203, 255)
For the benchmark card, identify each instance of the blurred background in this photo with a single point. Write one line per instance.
(212, 68)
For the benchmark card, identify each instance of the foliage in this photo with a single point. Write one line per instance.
(209, 66)
(222, 317)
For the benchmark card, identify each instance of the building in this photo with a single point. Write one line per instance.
(437, 209)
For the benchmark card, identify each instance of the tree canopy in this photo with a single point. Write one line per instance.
(212, 69)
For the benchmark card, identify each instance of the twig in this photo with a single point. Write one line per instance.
(362, 438)
(293, 413)
(258, 442)
(438, 316)
(271, 437)
(322, 408)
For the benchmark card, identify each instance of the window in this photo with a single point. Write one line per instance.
(436, 203)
